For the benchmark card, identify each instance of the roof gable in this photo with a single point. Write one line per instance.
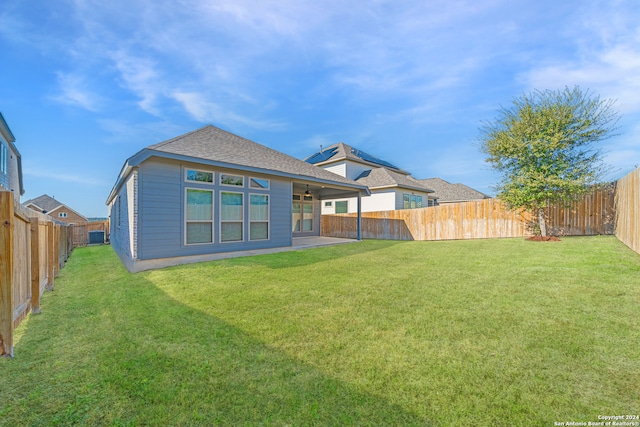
(342, 151)
(214, 146)
(48, 204)
(447, 192)
(383, 177)
(5, 131)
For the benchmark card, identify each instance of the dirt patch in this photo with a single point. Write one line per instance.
(543, 239)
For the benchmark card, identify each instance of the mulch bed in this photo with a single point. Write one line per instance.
(543, 239)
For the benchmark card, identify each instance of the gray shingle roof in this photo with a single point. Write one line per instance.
(217, 145)
(48, 204)
(447, 192)
(342, 151)
(383, 177)
(45, 202)
(213, 146)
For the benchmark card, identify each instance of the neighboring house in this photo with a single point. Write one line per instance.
(446, 192)
(391, 187)
(59, 211)
(85, 230)
(10, 162)
(209, 192)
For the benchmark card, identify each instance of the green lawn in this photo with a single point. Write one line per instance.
(458, 333)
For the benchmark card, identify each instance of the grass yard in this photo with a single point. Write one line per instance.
(456, 333)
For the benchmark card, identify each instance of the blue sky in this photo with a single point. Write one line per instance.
(86, 84)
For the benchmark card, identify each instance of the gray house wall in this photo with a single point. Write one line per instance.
(122, 224)
(161, 210)
(10, 179)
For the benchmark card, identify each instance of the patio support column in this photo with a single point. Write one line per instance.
(359, 222)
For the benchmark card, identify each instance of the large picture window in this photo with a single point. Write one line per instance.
(231, 217)
(199, 216)
(258, 217)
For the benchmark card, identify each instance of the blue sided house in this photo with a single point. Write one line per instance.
(210, 192)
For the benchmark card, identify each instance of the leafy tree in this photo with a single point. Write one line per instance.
(546, 147)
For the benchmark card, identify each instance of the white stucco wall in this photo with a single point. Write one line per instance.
(378, 201)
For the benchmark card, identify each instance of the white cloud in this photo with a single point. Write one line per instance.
(614, 74)
(206, 111)
(604, 55)
(141, 77)
(73, 91)
(77, 179)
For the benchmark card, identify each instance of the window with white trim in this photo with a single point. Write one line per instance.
(231, 216)
(200, 176)
(4, 159)
(198, 216)
(259, 183)
(342, 206)
(62, 214)
(226, 179)
(258, 217)
(4, 166)
(302, 213)
(411, 201)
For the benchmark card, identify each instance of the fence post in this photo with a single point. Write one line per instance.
(51, 260)
(35, 265)
(6, 273)
(56, 249)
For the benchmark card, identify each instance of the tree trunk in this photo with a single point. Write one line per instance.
(542, 222)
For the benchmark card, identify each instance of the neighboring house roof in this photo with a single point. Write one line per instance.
(342, 151)
(216, 147)
(385, 178)
(8, 136)
(47, 204)
(447, 192)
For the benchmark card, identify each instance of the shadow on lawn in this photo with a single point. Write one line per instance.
(154, 360)
(203, 370)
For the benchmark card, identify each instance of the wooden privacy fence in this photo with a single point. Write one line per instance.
(628, 210)
(486, 218)
(481, 219)
(589, 215)
(81, 231)
(33, 248)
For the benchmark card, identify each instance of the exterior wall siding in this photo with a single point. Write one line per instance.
(161, 207)
(337, 168)
(68, 216)
(132, 210)
(10, 179)
(379, 200)
(354, 169)
(120, 229)
(400, 200)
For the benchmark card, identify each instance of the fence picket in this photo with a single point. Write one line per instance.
(32, 250)
(488, 218)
